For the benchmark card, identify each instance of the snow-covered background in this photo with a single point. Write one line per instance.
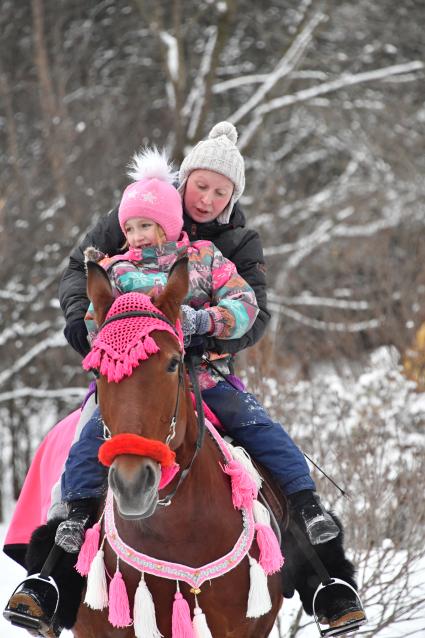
(328, 99)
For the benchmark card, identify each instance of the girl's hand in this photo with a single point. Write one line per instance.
(195, 322)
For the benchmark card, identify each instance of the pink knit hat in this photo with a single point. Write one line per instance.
(153, 195)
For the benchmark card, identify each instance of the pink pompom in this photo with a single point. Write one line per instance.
(104, 366)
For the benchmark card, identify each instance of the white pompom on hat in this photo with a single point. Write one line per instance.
(153, 195)
(220, 154)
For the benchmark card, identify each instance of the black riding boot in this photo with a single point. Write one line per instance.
(308, 511)
(39, 604)
(306, 566)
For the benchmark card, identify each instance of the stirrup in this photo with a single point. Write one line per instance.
(23, 619)
(348, 627)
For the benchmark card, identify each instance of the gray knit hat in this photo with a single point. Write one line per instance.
(217, 153)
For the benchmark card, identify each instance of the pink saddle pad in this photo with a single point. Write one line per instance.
(45, 470)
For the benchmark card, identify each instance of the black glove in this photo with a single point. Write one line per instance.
(76, 334)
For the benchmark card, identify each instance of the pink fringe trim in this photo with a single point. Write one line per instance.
(271, 559)
(181, 622)
(119, 607)
(92, 360)
(244, 488)
(88, 550)
(116, 369)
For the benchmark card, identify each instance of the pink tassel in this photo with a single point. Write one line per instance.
(150, 345)
(119, 372)
(111, 371)
(127, 367)
(88, 550)
(167, 475)
(244, 488)
(181, 622)
(104, 366)
(119, 607)
(140, 351)
(271, 559)
(92, 360)
(132, 357)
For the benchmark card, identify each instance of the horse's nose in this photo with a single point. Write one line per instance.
(143, 479)
(135, 484)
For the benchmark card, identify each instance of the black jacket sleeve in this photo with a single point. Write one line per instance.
(107, 237)
(246, 252)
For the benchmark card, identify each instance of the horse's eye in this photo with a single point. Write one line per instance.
(172, 366)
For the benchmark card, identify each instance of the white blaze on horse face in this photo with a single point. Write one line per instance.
(134, 481)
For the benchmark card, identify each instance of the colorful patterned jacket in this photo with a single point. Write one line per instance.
(214, 285)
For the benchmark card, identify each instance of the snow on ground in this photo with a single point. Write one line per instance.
(11, 575)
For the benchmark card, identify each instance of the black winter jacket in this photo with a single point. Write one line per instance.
(239, 244)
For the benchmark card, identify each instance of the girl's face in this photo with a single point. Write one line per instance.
(141, 232)
(206, 195)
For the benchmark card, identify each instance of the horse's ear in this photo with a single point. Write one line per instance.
(99, 291)
(171, 298)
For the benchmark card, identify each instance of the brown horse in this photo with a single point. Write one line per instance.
(201, 523)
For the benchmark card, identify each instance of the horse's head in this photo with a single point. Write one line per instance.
(139, 356)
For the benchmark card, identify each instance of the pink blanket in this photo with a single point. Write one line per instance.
(46, 468)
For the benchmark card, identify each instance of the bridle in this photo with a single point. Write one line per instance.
(166, 501)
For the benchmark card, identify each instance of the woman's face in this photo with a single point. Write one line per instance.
(206, 195)
(141, 232)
